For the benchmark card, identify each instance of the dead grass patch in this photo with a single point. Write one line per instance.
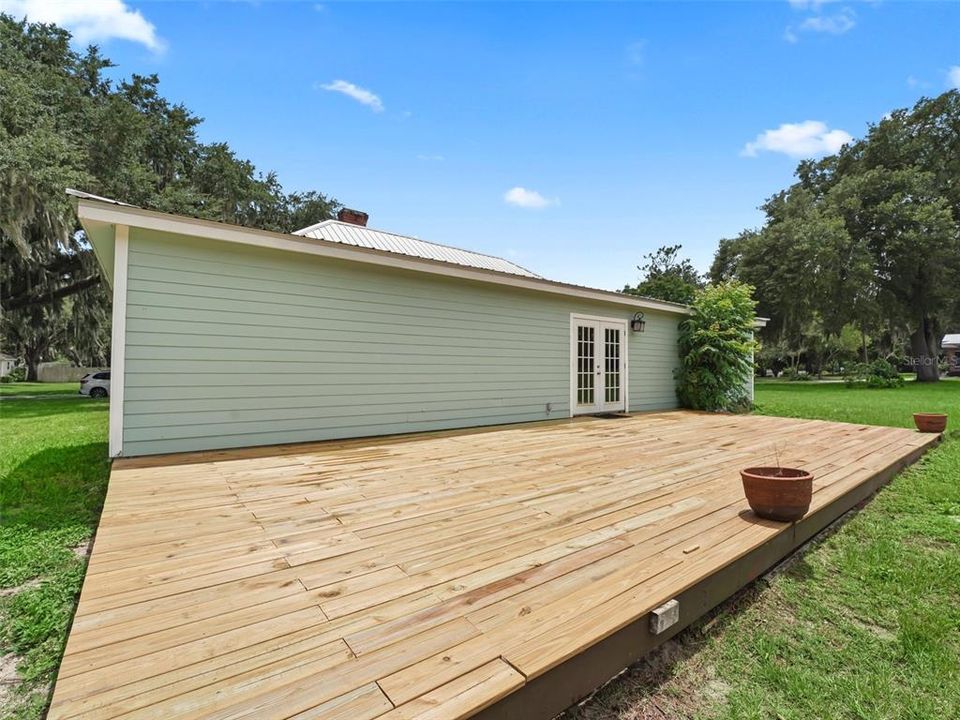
(669, 683)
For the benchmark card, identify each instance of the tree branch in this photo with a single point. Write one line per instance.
(28, 299)
(63, 263)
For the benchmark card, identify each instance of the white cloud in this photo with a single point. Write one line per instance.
(809, 4)
(635, 52)
(522, 197)
(361, 95)
(836, 23)
(90, 21)
(953, 77)
(800, 140)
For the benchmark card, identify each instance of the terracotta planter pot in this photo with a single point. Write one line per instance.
(774, 493)
(930, 422)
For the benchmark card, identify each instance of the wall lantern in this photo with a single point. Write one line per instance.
(638, 324)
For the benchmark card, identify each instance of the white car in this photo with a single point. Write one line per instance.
(95, 385)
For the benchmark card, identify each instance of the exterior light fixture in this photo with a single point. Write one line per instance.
(638, 324)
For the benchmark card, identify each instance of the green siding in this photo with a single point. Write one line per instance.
(231, 346)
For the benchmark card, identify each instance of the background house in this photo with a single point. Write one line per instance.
(226, 336)
(7, 364)
(951, 352)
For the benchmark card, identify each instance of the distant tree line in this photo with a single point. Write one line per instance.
(63, 123)
(858, 259)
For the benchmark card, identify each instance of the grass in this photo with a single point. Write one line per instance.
(865, 625)
(53, 475)
(31, 388)
(834, 401)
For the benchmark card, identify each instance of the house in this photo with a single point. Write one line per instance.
(7, 364)
(227, 336)
(951, 353)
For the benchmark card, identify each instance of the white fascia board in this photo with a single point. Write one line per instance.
(99, 211)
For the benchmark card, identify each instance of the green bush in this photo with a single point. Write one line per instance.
(17, 375)
(716, 343)
(795, 375)
(877, 374)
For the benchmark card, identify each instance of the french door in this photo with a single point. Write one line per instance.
(598, 359)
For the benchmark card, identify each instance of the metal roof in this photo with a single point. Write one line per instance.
(951, 340)
(359, 236)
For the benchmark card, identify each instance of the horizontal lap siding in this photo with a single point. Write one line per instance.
(653, 356)
(231, 346)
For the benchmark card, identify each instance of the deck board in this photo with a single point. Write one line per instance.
(419, 576)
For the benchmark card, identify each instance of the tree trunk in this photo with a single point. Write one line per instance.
(863, 344)
(32, 361)
(925, 360)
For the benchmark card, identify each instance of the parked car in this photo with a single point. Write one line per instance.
(95, 384)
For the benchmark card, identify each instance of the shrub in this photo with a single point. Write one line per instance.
(795, 375)
(716, 343)
(877, 374)
(17, 375)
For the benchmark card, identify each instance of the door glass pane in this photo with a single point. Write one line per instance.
(585, 362)
(611, 364)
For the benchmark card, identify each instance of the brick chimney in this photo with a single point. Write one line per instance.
(354, 217)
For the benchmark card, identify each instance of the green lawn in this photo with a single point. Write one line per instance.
(834, 401)
(30, 388)
(866, 625)
(53, 475)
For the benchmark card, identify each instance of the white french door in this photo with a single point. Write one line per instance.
(598, 359)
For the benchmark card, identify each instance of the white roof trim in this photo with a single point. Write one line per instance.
(91, 196)
(92, 209)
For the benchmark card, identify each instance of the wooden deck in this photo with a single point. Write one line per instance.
(426, 576)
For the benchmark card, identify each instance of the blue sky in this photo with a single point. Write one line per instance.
(571, 138)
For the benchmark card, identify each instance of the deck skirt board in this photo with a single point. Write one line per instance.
(438, 575)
